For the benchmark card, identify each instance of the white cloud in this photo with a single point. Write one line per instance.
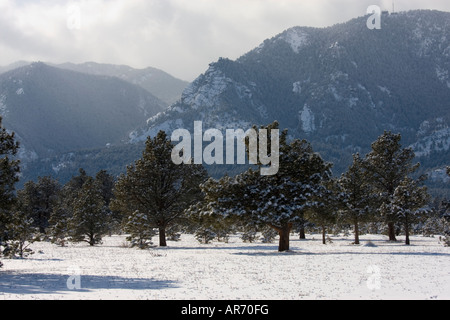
(178, 36)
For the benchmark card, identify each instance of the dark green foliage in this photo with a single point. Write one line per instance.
(156, 187)
(83, 198)
(325, 206)
(38, 199)
(277, 201)
(386, 166)
(89, 222)
(409, 202)
(359, 199)
(9, 176)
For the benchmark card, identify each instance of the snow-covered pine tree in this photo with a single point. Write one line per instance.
(156, 186)
(324, 210)
(277, 201)
(409, 202)
(9, 176)
(21, 233)
(359, 197)
(139, 229)
(89, 222)
(386, 166)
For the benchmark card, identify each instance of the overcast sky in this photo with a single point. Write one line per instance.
(178, 36)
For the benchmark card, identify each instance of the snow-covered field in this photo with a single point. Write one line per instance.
(234, 270)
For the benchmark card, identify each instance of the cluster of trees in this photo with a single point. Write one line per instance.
(379, 187)
(155, 196)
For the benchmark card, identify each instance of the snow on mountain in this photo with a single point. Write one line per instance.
(297, 38)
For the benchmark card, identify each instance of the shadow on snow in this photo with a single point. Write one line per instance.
(40, 283)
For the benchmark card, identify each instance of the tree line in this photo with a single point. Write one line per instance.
(157, 197)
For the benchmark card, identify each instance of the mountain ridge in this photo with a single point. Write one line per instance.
(54, 110)
(339, 86)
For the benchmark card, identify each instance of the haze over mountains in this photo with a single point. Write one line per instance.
(54, 111)
(339, 87)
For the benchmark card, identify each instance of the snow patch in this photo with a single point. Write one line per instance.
(296, 38)
(437, 141)
(297, 87)
(307, 119)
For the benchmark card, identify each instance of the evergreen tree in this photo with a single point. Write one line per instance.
(157, 187)
(37, 200)
(90, 220)
(408, 203)
(359, 199)
(106, 183)
(21, 233)
(9, 176)
(386, 166)
(62, 211)
(324, 209)
(139, 229)
(277, 201)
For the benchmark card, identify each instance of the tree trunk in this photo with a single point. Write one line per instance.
(356, 232)
(407, 231)
(162, 237)
(283, 232)
(323, 235)
(391, 231)
(302, 233)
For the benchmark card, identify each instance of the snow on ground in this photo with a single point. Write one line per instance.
(234, 270)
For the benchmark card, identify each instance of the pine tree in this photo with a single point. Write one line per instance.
(277, 201)
(157, 187)
(63, 211)
(409, 203)
(386, 166)
(323, 211)
(106, 183)
(37, 200)
(21, 233)
(89, 220)
(139, 229)
(359, 199)
(9, 176)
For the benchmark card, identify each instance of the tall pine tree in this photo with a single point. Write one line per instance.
(37, 200)
(386, 166)
(9, 176)
(89, 222)
(408, 203)
(277, 201)
(158, 188)
(359, 198)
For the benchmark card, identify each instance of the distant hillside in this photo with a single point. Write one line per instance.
(54, 111)
(159, 83)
